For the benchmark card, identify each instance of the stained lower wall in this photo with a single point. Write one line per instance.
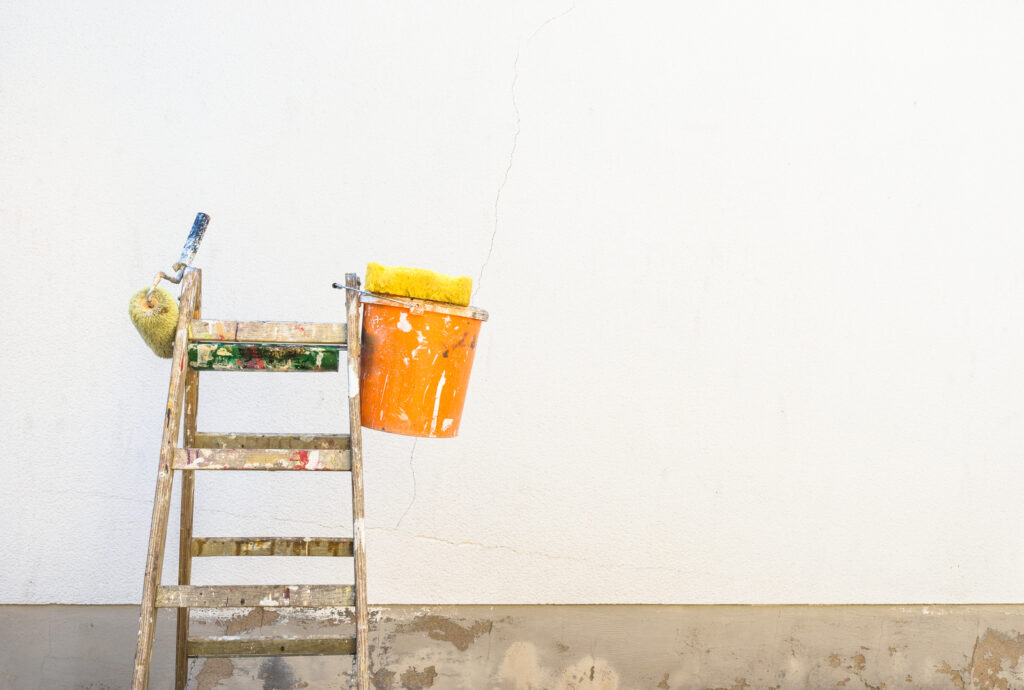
(546, 647)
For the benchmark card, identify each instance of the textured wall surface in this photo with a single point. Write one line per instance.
(754, 276)
(548, 647)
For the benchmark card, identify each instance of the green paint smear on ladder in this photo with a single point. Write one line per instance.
(261, 357)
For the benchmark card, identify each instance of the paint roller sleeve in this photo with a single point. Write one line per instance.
(156, 320)
(418, 283)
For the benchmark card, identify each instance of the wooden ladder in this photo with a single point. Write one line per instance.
(252, 346)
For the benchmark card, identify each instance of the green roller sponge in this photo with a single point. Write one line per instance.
(156, 320)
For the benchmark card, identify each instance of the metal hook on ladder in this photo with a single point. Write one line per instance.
(413, 306)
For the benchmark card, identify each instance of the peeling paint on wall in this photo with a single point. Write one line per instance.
(549, 648)
(995, 663)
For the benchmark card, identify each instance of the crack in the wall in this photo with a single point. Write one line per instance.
(515, 143)
(198, 509)
(541, 554)
(412, 470)
(249, 516)
(109, 497)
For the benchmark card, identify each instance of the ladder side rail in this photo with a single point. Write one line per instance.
(188, 482)
(356, 438)
(165, 480)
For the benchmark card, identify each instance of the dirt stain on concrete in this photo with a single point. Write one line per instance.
(589, 673)
(857, 664)
(520, 666)
(740, 684)
(664, 683)
(447, 630)
(382, 679)
(520, 670)
(276, 674)
(418, 680)
(956, 675)
(213, 672)
(254, 619)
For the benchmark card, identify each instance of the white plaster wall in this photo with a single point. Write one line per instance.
(754, 275)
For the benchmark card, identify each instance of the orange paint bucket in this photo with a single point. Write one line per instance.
(416, 359)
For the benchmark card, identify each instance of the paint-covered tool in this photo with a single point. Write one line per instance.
(418, 283)
(153, 310)
(417, 351)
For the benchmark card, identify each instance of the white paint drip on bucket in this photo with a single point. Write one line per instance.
(437, 404)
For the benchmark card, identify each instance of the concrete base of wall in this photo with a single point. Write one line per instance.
(546, 647)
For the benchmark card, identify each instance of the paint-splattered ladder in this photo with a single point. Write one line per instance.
(252, 346)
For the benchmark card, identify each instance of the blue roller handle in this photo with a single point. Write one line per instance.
(195, 236)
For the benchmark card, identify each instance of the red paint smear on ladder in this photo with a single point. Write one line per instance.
(300, 458)
(252, 359)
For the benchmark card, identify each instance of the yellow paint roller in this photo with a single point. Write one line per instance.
(156, 319)
(418, 283)
(153, 310)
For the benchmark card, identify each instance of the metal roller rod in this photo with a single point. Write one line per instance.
(188, 254)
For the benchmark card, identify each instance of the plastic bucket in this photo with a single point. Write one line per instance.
(416, 359)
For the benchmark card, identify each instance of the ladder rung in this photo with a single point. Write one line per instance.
(233, 596)
(271, 546)
(206, 439)
(268, 332)
(261, 459)
(269, 646)
(262, 357)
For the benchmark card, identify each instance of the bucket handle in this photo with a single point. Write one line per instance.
(413, 307)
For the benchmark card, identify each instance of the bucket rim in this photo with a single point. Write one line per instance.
(425, 305)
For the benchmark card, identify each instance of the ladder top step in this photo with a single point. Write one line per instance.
(262, 459)
(269, 646)
(235, 596)
(268, 332)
